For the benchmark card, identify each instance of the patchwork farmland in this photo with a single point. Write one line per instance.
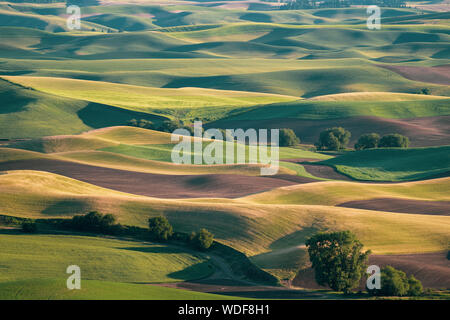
(86, 124)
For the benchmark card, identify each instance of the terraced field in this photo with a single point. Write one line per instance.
(66, 147)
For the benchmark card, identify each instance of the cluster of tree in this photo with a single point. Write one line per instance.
(94, 222)
(425, 91)
(373, 140)
(287, 136)
(160, 229)
(339, 262)
(202, 239)
(165, 126)
(335, 138)
(315, 4)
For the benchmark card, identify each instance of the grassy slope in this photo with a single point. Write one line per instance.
(55, 289)
(145, 99)
(47, 256)
(318, 109)
(35, 267)
(393, 164)
(155, 100)
(27, 113)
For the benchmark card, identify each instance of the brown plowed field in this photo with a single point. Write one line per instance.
(438, 74)
(401, 205)
(432, 269)
(159, 185)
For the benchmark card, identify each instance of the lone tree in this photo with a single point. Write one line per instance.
(368, 141)
(333, 139)
(337, 259)
(395, 283)
(288, 138)
(160, 228)
(202, 239)
(394, 140)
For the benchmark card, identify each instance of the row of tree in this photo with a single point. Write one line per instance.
(165, 126)
(161, 230)
(337, 138)
(373, 140)
(316, 4)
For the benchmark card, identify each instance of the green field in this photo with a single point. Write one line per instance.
(393, 164)
(54, 289)
(47, 256)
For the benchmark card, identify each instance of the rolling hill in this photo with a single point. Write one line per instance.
(65, 149)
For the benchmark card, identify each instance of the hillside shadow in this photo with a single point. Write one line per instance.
(12, 98)
(256, 17)
(222, 224)
(83, 3)
(196, 269)
(66, 207)
(165, 18)
(160, 248)
(98, 115)
(293, 239)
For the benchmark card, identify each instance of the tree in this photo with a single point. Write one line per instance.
(142, 123)
(160, 228)
(94, 221)
(368, 141)
(146, 124)
(288, 138)
(202, 239)
(133, 123)
(29, 227)
(333, 139)
(170, 125)
(394, 140)
(415, 286)
(393, 282)
(337, 259)
(396, 283)
(424, 91)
